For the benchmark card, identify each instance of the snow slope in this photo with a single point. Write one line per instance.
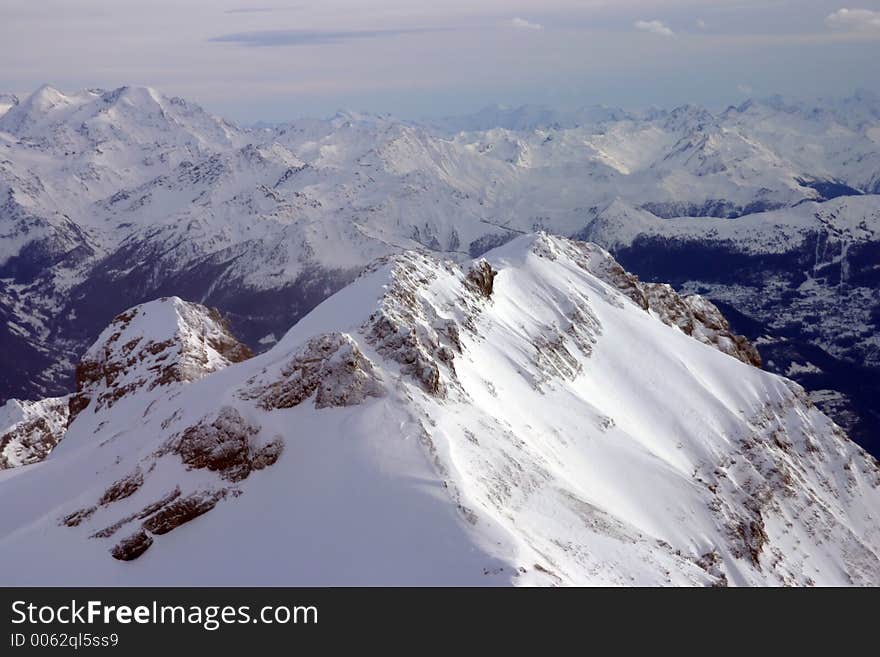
(536, 418)
(804, 281)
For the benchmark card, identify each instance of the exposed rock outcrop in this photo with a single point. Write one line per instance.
(482, 277)
(331, 367)
(155, 344)
(182, 510)
(131, 547)
(30, 430)
(226, 445)
(414, 332)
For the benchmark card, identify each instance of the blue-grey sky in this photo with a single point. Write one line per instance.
(273, 60)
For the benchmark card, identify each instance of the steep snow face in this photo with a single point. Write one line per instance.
(30, 430)
(804, 281)
(692, 314)
(524, 419)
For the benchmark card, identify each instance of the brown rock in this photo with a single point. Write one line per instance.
(182, 511)
(132, 547)
(123, 488)
(481, 277)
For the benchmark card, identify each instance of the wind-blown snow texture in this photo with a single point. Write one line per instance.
(109, 198)
(526, 419)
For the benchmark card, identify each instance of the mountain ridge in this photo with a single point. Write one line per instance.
(520, 419)
(122, 196)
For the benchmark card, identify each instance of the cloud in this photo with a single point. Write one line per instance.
(261, 10)
(654, 27)
(854, 20)
(264, 38)
(702, 24)
(523, 24)
(745, 89)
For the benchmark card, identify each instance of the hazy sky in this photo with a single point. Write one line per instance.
(272, 60)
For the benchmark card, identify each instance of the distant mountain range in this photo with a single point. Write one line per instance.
(114, 198)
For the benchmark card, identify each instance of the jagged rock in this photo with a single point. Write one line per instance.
(158, 504)
(123, 488)
(710, 326)
(140, 515)
(693, 314)
(331, 367)
(223, 445)
(553, 358)
(183, 510)
(414, 352)
(132, 547)
(584, 328)
(267, 455)
(482, 277)
(77, 517)
(711, 563)
(409, 330)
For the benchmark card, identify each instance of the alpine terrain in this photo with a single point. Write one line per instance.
(110, 198)
(537, 416)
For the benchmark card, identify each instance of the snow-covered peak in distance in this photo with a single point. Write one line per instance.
(856, 111)
(527, 118)
(7, 102)
(514, 420)
(101, 114)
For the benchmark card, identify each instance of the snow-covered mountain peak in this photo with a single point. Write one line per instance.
(105, 119)
(532, 417)
(689, 118)
(33, 110)
(46, 98)
(7, 102)
(158, 343)
(135, 96)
